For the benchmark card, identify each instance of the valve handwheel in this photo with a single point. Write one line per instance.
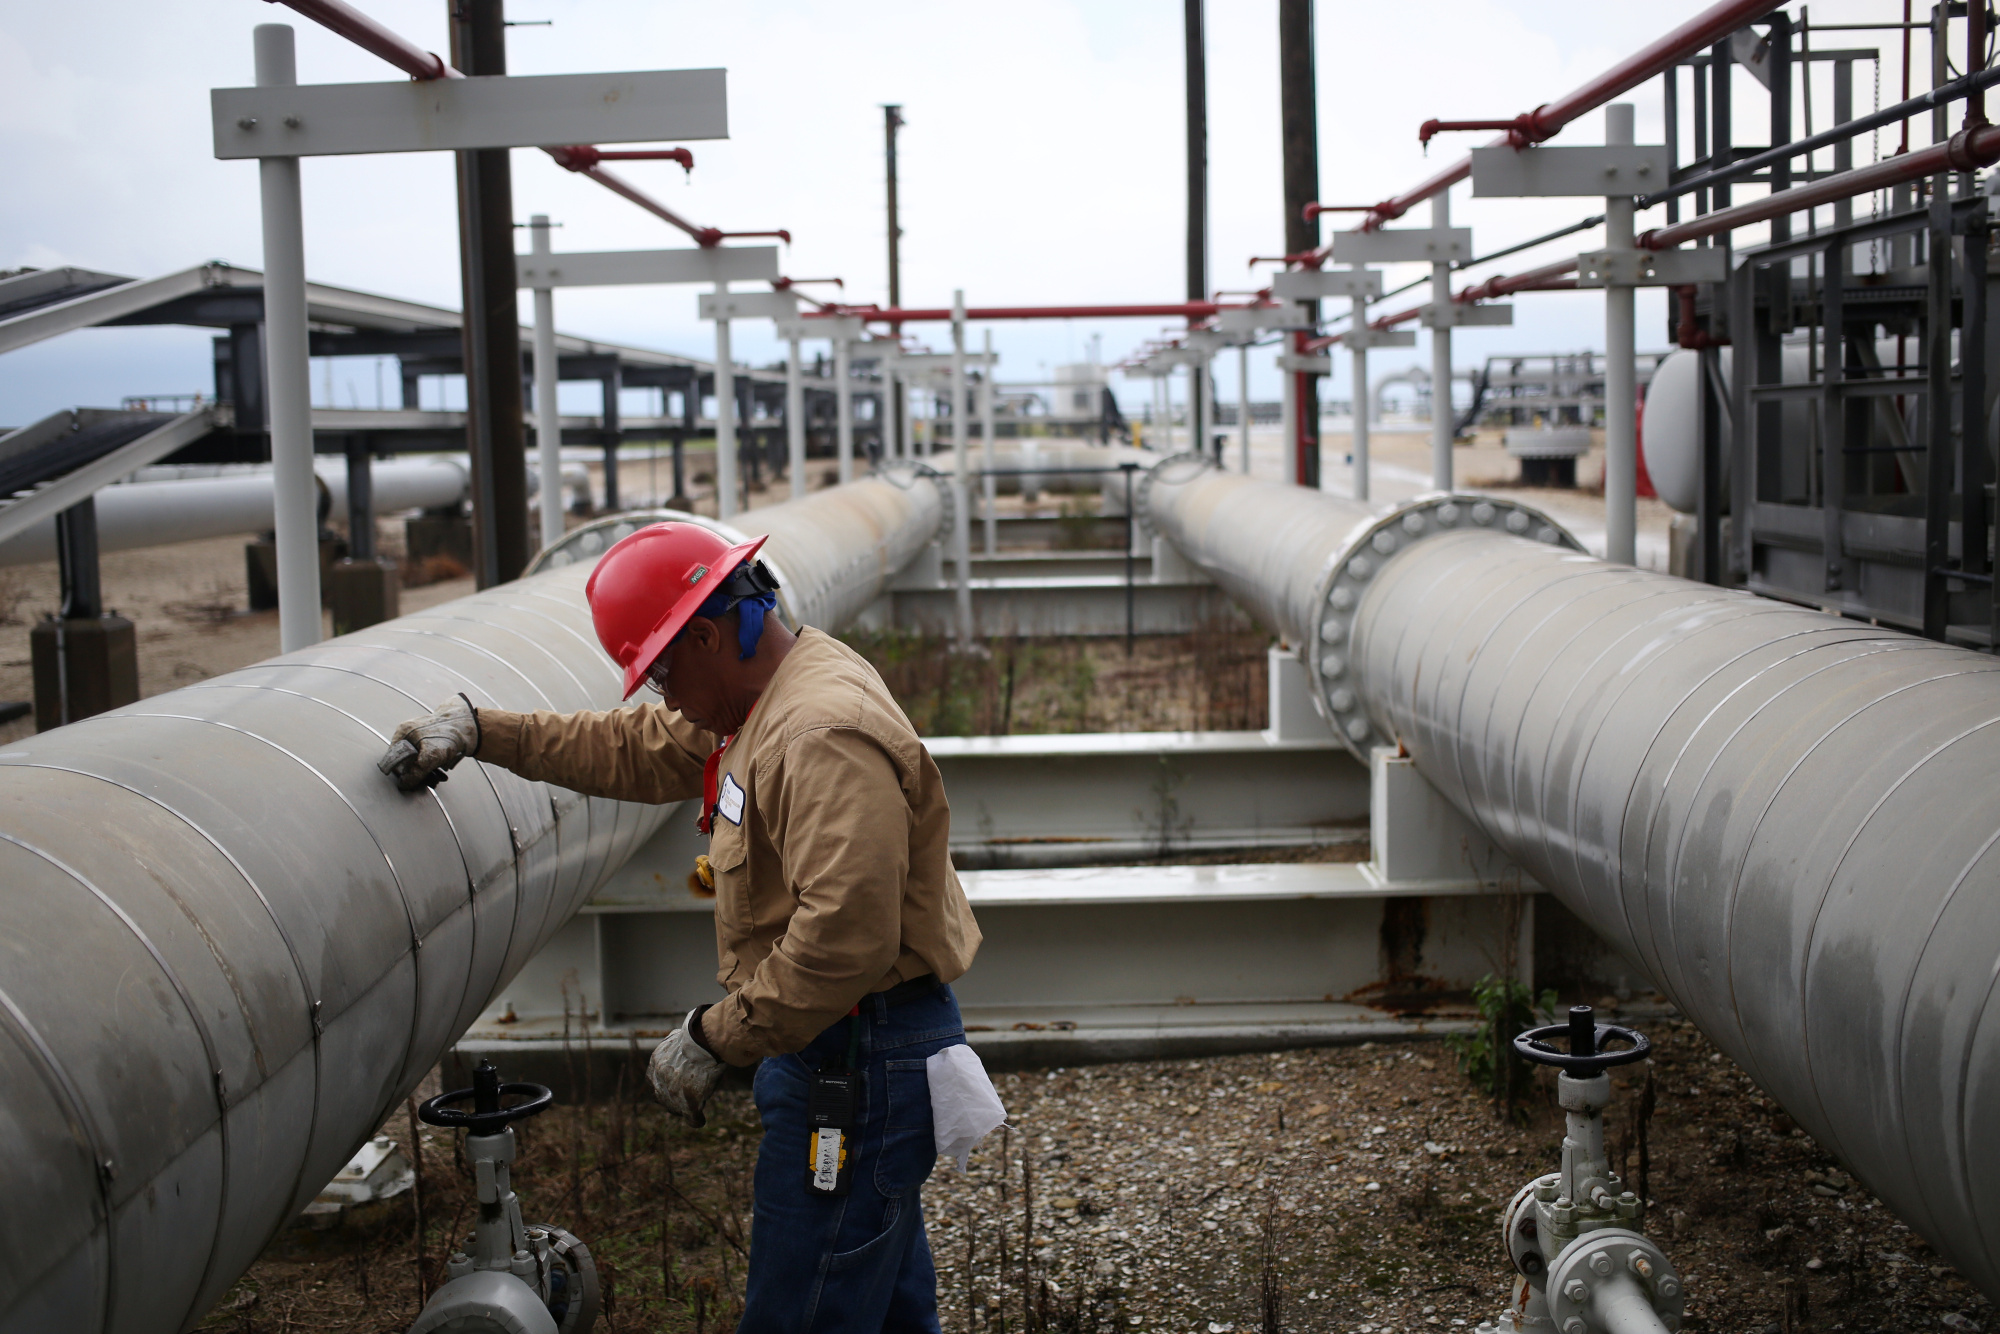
(1586, 1056)
(487, 1116)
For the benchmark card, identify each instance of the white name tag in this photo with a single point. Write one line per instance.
(730, 800)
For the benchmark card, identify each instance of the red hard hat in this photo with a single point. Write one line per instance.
(647, 586)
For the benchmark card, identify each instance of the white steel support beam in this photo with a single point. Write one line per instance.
(548, 417)
(1359, 445)
(1243, 401)
(795, 417)
(725, 409)
(1621, 404)
(1441, 418)
(991, 483)
(961, 518)
(287, 369)
(843, 408)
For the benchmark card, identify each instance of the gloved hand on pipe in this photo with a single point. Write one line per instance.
(683, 1072)
(422, 749)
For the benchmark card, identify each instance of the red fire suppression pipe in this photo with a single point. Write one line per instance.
(342, 18)
(582, 157)
(1705, 29)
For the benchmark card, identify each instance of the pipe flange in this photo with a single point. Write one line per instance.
(590, 541)
(1520, 1229)
(903, 474)
(1597, 1260)
(1186, 466)
(1361, 557)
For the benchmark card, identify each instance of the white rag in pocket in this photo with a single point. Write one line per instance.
(964, 1107)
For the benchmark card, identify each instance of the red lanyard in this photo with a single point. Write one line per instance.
(711, 792)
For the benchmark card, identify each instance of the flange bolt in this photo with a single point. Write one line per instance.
(1577, 1290)
(1575, 1325)
(1600, 1264)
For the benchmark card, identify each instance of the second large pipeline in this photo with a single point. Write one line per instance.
(1785, 817)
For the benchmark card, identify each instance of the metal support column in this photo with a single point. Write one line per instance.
(613, 433)
(1298, 117)
(1243, 401)
(492, 333)
(548, 415)
(988, 482)
(288, 388)
(725, 411)
(961, 519)
(1621, 400)
(843, 409)
(1441, 415)
(1197, 199)
(795, 417)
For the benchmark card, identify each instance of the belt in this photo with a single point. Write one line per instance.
(915, 989)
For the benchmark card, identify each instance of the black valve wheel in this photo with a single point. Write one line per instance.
(1586, 1055)
(487, 1116)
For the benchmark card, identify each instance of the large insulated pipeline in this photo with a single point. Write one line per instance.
(1785, 817)
(229, 948)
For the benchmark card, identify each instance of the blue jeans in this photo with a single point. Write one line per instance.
(860, 1262)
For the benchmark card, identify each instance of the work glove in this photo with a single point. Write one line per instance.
(422, 749)
(682, 1072)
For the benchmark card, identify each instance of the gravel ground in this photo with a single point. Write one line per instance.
(1347, 1189)
(1359, 1189)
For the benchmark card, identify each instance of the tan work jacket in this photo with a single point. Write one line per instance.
(830, 844)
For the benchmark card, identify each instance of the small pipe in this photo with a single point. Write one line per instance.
(1968, 87)
(1520, 127)
(1313, 210)
(580, 157)
(1971, 148)
(583, 159)
(1544, 121)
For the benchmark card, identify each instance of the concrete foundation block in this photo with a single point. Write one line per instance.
(260, 569)
(428, 535)
(82, 667)
(361, 593)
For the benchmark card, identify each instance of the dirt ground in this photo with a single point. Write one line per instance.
(1345, 1189)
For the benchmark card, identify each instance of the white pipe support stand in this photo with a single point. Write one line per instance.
(723, 306)
(1618, 172)
(288, 368)
(548, 416)
(1440, 245)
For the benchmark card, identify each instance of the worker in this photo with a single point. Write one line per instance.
(839, 922)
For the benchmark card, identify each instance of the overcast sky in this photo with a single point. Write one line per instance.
(1042, 162)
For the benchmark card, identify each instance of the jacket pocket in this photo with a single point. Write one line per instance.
(727, 847)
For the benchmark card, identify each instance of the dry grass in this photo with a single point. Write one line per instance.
(1213, 679)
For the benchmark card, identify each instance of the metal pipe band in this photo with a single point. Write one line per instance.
(834, 552)
(1781, 815)
(230, 947)
(1300, 561)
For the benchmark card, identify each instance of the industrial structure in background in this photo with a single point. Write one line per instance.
(1750, 781)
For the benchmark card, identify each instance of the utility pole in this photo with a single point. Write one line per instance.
(492, 341)
(1197, 206)
(892, 121)
(1298, 114)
